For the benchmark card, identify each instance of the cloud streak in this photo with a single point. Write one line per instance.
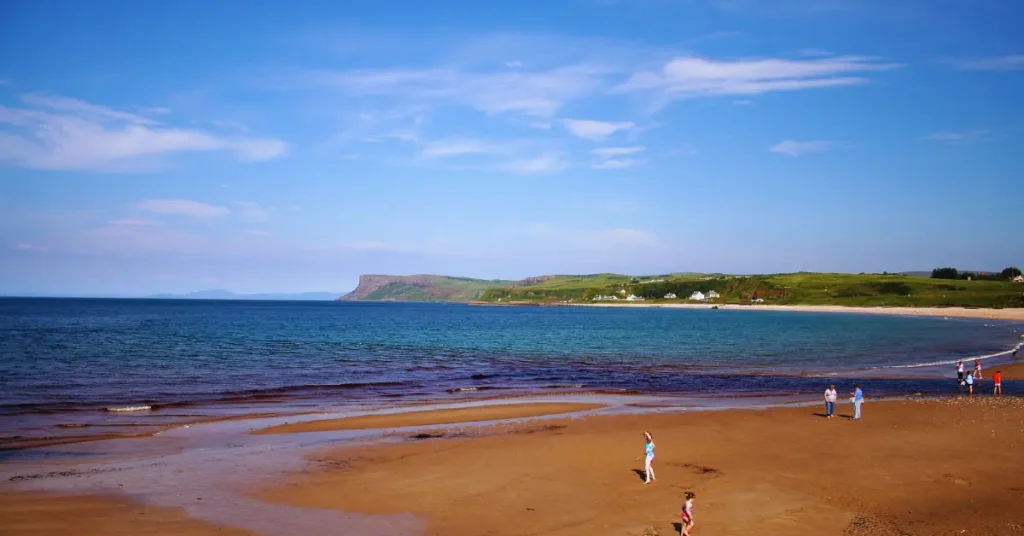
(539, 93)
(589, 129)
(616, 151)
(180, 207)
(798, 148)
(1013, 62)
(691, 77)
(458, 147)
(954, 137)
(35, 248)
(62, 133)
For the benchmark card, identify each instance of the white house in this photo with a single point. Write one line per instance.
(670, 296)
(697, 295)
(712, 294)
(1019, 279)
(634, 298)
(758, 300)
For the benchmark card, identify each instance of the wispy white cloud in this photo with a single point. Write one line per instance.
(63, 133)
(743, 102)
(617, 151)
(814, 52)
(135, 222)
(1012, 62)
(616, 163)
(797, 148)
(961, 136)
(457, 147)
(595, 130)
(513, 64)
(250, 211)
(532, 92)
(545, 163)
(690, 77)
(36, 248)
(180, 207)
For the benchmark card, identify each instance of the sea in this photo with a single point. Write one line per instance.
(98, 366)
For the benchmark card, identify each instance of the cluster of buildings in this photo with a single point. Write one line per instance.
(696, 296)
(629, 297)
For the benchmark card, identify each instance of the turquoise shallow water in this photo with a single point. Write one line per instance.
(75, 357)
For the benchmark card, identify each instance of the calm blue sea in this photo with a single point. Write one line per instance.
(66, 356)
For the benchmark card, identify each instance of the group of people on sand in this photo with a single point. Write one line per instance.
(687, 514)
(969, 378)
(831, 396)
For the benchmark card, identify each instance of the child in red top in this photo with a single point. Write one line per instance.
(977, 369)
(997, 378)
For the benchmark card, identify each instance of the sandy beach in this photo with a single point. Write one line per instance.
(1013, 315)
(948, 466)
(938, 467)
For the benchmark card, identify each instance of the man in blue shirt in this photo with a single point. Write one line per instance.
(858, 397)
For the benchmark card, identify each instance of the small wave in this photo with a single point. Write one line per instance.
(569, 386)
(126, 409)
(953, 361)
(480, 388)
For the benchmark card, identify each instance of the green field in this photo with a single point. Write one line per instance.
(783, 289)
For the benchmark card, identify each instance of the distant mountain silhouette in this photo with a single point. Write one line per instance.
(228, 295)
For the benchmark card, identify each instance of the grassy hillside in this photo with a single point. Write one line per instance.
(783, 289)
(421, 288)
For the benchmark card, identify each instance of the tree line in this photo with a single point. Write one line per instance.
(953, 273)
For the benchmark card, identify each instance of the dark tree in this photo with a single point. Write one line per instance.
(945, 273)
(1009, 273)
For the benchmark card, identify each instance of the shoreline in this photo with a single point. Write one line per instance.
(559, 474)
(1009, 314)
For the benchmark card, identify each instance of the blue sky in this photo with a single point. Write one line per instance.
(290, 146)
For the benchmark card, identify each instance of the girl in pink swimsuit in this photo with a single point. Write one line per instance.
(684, 529)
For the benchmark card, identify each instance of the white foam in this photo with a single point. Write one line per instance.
(954, 361)
(130, 408)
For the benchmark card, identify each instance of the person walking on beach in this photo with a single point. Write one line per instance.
(830, 401)
(648, 457)
(960, 372)
(858, 398)
(997, 378)
(977, 369)
(970, 384)
(687, 524)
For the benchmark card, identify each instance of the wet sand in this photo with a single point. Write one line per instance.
(950, 466)
(1014, 315)
(430, 417)
(142, 430)
(27, 514)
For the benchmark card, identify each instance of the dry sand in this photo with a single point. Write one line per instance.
(908, 468)
(431, 417)
(1016, 315)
